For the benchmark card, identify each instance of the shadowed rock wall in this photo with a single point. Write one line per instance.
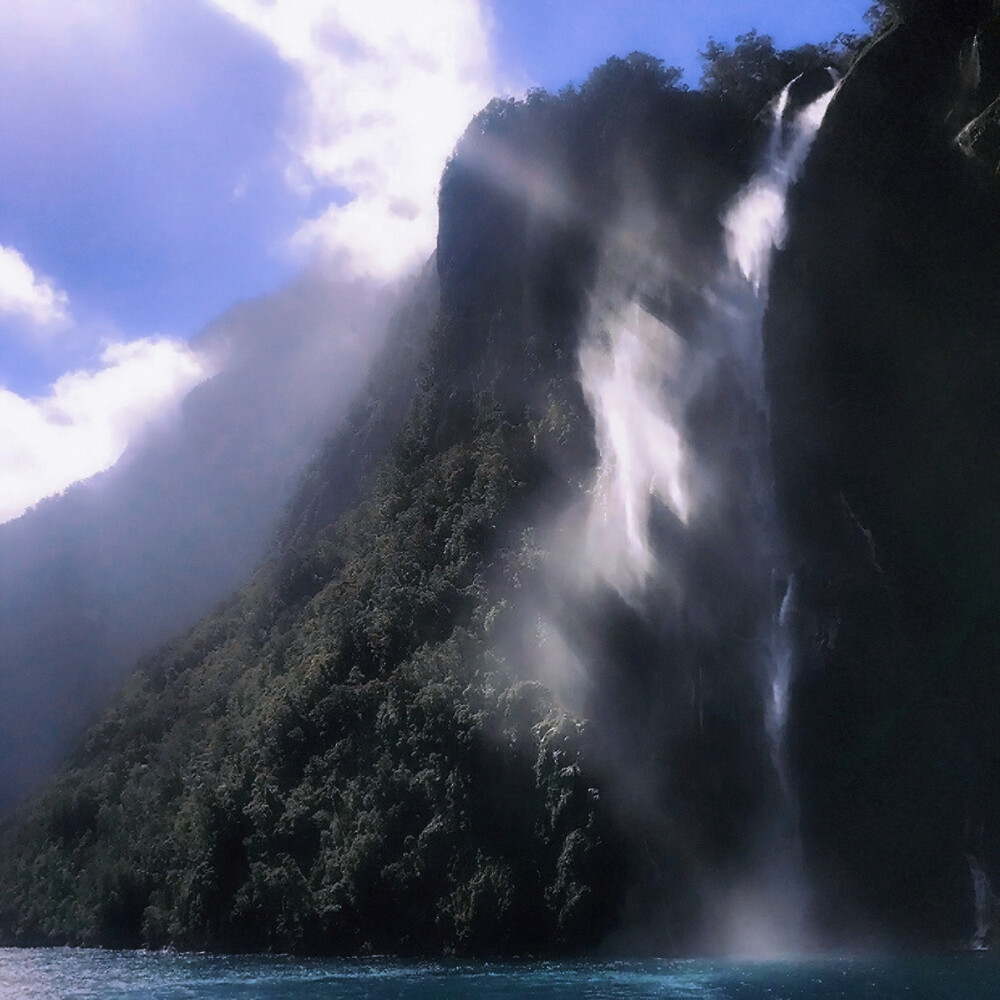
(883, 359)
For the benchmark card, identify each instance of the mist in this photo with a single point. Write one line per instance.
(92, 579)
(666, 595)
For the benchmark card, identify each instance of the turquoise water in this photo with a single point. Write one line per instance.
(80, 974)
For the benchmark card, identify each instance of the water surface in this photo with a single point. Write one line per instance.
(82, 974)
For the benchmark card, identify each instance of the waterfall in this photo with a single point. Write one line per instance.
(642, 377)
(755, 227)
(781, 663)
(986, 904)
(755, 224)
(771, 914)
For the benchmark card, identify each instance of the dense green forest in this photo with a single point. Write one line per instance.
(357, 753)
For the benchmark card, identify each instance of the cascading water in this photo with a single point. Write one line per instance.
(756, 224)
(639, 374)
(755, 228)
(642, 378)
(772, 912)
(782, 665)
(986, 905)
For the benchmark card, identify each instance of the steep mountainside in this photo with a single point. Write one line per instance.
(511, 679)
(93, 578)
(345, 756)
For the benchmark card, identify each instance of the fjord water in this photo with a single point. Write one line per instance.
(83, 974)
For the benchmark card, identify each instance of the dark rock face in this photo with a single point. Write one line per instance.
(882, 344)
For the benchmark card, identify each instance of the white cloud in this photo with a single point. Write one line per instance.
(25, 295)
(87, 418)
(388, 87)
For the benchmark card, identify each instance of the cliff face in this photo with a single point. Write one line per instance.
(883, 354)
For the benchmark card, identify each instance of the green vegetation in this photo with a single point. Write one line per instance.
(335, 760)
(752, 71)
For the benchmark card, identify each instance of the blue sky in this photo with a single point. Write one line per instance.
(163, 159)
(555, 41)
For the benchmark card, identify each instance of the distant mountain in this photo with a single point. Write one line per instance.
(93, 578)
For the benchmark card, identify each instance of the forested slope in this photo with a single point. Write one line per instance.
(341, 758)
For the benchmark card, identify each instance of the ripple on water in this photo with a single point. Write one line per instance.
(83, 974)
